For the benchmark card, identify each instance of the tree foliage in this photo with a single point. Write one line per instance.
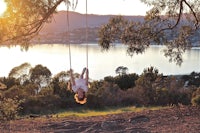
(23, 19)
(146, 82)
(171, 22)
(9, 108)
(149, 88)
(20, 71)
(196, 97)
(121, 70)
(40, 75)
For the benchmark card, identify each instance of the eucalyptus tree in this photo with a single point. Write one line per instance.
(40, 75)
(23, 19)
(121, 70)
(59, 84)
(20, 72)
(174, 23)
(146, 82)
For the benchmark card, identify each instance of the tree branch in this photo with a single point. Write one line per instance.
(194, 14)
(36, 25)
(177, 21)
(179, 17)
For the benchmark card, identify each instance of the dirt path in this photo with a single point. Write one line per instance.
(172, 120)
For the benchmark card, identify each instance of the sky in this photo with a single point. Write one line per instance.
(103, 7)
(2, 7)
(110, 7)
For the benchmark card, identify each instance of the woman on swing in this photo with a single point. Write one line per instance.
(80, 86)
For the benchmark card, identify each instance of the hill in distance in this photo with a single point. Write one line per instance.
(77, 21)
(56, 30)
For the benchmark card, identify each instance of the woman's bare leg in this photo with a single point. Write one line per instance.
(81, 76)
(87, 76)
(72, 77)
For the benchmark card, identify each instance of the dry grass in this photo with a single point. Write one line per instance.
(184, 119)
(107, 111)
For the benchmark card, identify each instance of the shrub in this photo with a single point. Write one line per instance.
(9, 108)
(110, 95)
(15, 91)
(196, 97)
(126, 81)
(41, 104)
(46, 91)
(129, 97)
(196, 100)
(138, 93)
(94, 102)
(161, 96)
(180, 96)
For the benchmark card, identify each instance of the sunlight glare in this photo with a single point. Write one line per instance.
(3, 7)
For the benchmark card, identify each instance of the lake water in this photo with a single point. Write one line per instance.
(101, 64)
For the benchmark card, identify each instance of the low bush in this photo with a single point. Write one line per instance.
(196, 97)
(94, 102)
(196, 100)
(9, 108)
(41, 104)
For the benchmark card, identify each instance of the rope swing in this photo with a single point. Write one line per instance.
(68, 33)
(68, 36)
(86, 34)
(80, 85)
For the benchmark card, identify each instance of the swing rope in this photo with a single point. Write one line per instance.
(86, 33)
(68, 36)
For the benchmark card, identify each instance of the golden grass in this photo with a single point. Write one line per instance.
(87, 112)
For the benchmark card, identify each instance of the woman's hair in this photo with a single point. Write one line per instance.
(79, 100)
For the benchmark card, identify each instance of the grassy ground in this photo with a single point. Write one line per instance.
(80, 112)
(183, 119)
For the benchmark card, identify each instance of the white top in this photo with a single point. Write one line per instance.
(80, 83)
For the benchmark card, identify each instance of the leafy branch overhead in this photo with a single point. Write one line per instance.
(173, 23)
(23, 19)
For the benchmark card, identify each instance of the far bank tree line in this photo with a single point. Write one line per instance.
(33, 90)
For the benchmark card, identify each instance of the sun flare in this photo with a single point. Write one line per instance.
(3, 7)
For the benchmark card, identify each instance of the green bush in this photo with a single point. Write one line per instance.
(128, 98)
(94, 102)
(9, 108)
(15, 91)
(196, 100)
(41, 104)
(161, 96)
(126, 81)
(46, 91)
(109, 94)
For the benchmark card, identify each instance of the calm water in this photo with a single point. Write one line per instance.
(101, 64)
